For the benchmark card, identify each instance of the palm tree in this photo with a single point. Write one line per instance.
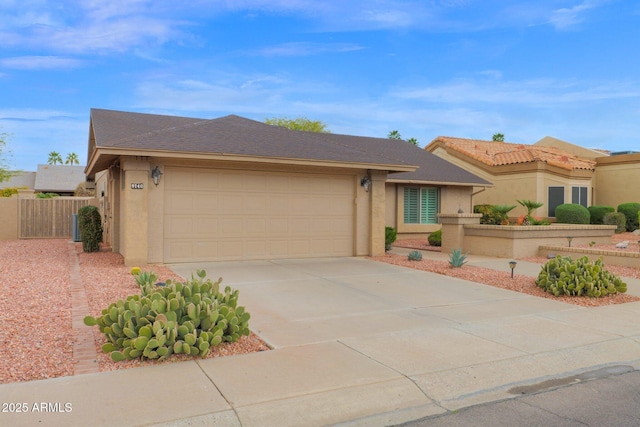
(498, 137)
(72, 159)
(530, 205)
(413, 141)
(394, 134)
(54, 158)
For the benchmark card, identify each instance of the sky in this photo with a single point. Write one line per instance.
(426, 68)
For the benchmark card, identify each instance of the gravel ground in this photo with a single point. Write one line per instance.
(519, 283)
(35, 308)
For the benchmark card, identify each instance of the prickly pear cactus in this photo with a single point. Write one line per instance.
(187, 318)
(564, 276)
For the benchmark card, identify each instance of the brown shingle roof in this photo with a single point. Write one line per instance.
(234, 135)
(495, 153)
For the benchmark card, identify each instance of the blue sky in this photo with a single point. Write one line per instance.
(465, 68)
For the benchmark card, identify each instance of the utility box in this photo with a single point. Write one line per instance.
(75, 229)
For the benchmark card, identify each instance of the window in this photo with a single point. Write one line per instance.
(579, 196)
(420, 205)
(556, 198)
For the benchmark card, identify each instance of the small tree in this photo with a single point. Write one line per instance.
(5, 173)
(299, 123)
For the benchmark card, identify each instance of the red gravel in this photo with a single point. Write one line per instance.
(35, 308)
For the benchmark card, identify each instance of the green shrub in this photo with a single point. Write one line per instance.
(572, 213)
(47, 195)
(415, 256)
(10, 191)
(564, 276)
(390, 236)
(435, 238)
(598, 212)
(630, 211)
(457, 259)
(616, 218)
(90, 226)
(494, 214)
(182, 318)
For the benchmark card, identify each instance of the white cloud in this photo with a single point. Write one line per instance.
(568, 17)
(306, 49)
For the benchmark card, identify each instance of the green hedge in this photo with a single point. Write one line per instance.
(390, 236)
(598, 213)
(90, 226)
(617, 219)
(572, 213)
(630, 211)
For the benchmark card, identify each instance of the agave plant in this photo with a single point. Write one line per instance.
(457, 259)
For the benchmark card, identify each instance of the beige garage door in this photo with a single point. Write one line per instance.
(213, 214)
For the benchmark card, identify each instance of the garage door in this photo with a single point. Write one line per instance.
(212, 215)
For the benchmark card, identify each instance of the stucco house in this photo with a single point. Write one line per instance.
(541, 172)
(179, 189)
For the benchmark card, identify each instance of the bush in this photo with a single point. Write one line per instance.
(564, 276)
(10, 191)
(598, 212)
(90, 226)
(47, 195)
(630, 211)
(616, 218)
(390, 236)
(572, 213)
(435, 238)
(415, 256)
(494, 214)
(182, 318)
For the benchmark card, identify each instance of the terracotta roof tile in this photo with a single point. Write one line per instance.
(495, 153)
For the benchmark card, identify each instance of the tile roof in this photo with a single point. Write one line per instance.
(234, 135)
(495, 153)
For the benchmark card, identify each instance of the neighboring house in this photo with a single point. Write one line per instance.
(617, 178)
(20, 179)
(542, 172)
(234, 189)
(60, 179)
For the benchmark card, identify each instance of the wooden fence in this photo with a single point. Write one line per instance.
(48, 218)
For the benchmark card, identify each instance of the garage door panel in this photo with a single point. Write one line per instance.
(231, 215)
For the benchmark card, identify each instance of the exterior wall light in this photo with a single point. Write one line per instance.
(155, 175)
(366, 183)
(512, 266)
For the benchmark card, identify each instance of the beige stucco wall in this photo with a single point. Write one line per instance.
(9, 215)
(513, 184)
(616, 180)
(133, 233)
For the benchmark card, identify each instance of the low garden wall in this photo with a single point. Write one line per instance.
(515, 241)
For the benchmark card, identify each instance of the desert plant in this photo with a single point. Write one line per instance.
(630, 211)
(598, 212)
(530, 205)
(435, 238)
(572, 213)
(415, 256)
(457, 259)
(390, 236)
(564, 276)
(90, 226)
(494, 214)
(187, 318)
(616, 218)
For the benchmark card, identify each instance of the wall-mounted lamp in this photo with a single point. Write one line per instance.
(366, 183)
(155, 175)
(512, 266)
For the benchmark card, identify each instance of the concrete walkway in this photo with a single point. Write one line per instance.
(355, 342)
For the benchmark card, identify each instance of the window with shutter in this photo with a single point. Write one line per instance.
(420, 205)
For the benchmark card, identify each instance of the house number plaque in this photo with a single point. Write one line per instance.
(137, 186)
